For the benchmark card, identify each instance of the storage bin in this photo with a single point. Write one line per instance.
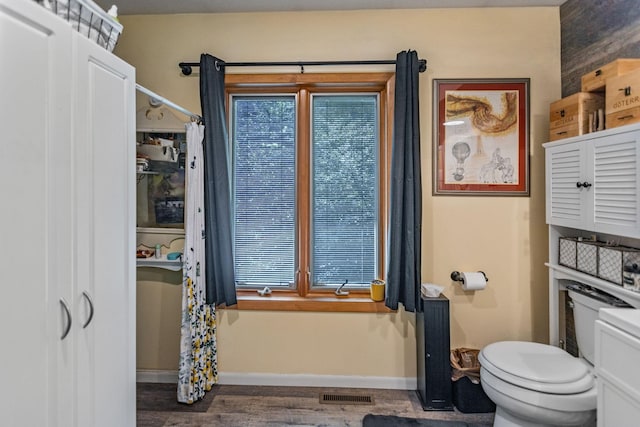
(596, 80)
(623, 99)
(570, 116)
(613, 259)
(568, 252)
(587, 257)
(467, 392)
(86, 17)
(471, 398)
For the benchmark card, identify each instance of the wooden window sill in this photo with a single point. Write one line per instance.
(359, 303)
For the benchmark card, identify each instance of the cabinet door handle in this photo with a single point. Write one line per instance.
(67, 328)
(88, 298)
(583, 184)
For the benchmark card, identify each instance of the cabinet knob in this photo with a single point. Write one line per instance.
(583, 184)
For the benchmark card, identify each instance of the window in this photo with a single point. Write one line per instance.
(264, 183)
(309, 168)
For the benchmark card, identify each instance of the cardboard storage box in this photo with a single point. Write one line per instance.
(623, 99)
(570, 116)
(595, 81)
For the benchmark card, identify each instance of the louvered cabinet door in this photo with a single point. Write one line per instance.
(616, 207)
(566, 195)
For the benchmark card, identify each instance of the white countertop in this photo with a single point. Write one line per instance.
(627, 319)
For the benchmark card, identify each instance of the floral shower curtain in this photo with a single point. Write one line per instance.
(198, 369)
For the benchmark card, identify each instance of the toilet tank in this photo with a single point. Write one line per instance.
(586, 303)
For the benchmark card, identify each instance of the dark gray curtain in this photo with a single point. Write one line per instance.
(403, 274)
(219, 264)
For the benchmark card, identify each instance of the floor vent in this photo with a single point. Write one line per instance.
(346, 399)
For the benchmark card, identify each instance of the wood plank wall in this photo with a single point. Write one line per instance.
(594, 33)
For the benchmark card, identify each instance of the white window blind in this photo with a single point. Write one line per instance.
(263, 140)
(344, 189)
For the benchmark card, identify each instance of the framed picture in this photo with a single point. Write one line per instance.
(160, 199)
(481, 137)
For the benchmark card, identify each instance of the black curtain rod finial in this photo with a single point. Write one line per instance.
(186, 69)
(422, 65)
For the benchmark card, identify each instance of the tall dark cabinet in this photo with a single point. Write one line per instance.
(434, 367)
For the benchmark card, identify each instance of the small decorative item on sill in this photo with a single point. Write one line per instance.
(377, 290)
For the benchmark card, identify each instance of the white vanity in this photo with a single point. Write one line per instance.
(617, 352)
(593, 190)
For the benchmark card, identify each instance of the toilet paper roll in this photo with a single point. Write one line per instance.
(473, 281)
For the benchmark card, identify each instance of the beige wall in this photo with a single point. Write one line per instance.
(505, 237)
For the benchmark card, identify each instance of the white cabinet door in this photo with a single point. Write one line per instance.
(592, 183)
(35, 219)
(616, 178)
(564, 184)
(104, 163)
(67, 225)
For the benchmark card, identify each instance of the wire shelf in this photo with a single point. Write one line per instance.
(87, 18)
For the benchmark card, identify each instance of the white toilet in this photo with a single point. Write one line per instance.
(542, 385)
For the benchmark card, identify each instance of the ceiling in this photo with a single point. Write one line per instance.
(150, 7)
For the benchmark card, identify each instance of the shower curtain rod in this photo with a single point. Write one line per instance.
(166, 102)
(186, 66)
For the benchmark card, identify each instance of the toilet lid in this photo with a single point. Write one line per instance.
(537, 367)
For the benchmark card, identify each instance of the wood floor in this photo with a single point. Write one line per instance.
(252, 406)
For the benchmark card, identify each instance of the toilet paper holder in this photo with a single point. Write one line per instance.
(457, 277)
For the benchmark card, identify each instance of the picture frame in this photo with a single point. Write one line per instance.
(481, 137)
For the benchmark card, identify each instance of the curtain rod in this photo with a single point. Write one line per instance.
(186, 66)
(166, 102)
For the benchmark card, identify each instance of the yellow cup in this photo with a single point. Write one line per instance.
(377, 290)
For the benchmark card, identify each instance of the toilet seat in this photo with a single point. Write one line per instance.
(538, 367)
(501, 391)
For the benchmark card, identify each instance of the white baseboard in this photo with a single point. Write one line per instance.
(307, 380)
(153, 376)
(292, 380)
